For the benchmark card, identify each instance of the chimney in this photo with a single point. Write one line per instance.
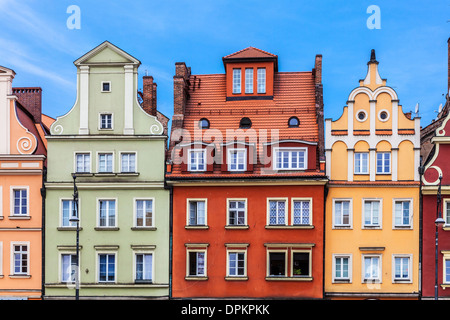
(149, 95)
(31, 99)
(318, 69)
(319, 110)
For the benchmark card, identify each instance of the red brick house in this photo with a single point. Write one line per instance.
(246, 168)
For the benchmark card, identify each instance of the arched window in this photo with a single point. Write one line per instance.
(203, 123)
(293, 122)
(245, 123)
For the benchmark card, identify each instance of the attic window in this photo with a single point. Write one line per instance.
(203, 123)
(245, 123)
(293, 122)
(106, 86)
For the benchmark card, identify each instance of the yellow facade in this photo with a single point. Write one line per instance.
(372, 206)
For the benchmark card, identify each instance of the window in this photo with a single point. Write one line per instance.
(237, 160)
(447, 212)
(106, 121)
(383, 162)
(301, 264)
(197, 263)
(245, 123)
(261, 80)
(301, 212)
(277, 212)
(248, 80)
(237, 212)
(105, 162)
(236, 264)
(383, 115)
(236, 80)
(196, 161)
(106, 86)
(20, 258)
(277, 264)
(372, 268)
(83, 162)
(67, 213)
(372, 213)
(107, 213)
(68, 267)
(107, 267)
(290, 159)
(361, 116)
(446, 269)
(144, 267)
(144, 213)
(20, 201)
(361, 163)
(342, 213)
(197, 213)
(402, 266)
(293, 122)
(402, 213)
(128, 162)
(341, 268)
(203, 123)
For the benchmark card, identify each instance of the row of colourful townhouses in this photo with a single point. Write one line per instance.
(255, 195)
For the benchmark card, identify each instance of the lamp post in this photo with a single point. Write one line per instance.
(75, 218)
(439, 221)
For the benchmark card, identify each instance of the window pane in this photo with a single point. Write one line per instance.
(300, 264)
(248, 80)
(277, 264)
(261, 80)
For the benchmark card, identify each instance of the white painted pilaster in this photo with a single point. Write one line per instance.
(350, 157)
(394, 164)
(372, 164)
(129, 98)
(84, 100)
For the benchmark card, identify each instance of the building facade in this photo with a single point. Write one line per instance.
(372, 206)
(247, 175)
(23, 149)
(113, 152)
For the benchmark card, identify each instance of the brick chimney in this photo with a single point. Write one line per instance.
(319, 109)
(149, 95)
(318, 69)
(31, 99)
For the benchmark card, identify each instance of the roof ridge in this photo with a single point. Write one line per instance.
(248, 48)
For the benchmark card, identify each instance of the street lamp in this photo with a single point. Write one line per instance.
(75, 218)
(439, 221)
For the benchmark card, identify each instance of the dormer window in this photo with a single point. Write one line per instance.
(106, 86)
(290, 158)
(196, 160)
(249, 80)
(245, 123)
(236, 80)
(237, 159)
(293, 122)
(203, 123)
(261, 80)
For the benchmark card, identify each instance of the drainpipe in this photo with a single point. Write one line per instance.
(421, 170)
(325, 196)
(43, 195)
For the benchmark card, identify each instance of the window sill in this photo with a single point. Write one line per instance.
(289, 226)
(402, 281)
(128, 174)
(343, 227)
(143, 228)
(236, 278)
(104, 174)
(68, 229)
(19, 217)
(341, 281)
(20, 276)
(237, 227)
(196, 278)
(197, 227)
(446, 228)
(372, 228)
(282, 278)
(404, 228)
(83, 174)
(106, 229)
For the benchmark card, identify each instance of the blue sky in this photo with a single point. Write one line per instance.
(411, 45)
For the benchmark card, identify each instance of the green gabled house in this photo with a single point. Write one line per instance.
(110, 148)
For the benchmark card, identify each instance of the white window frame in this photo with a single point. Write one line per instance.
(446, 214)
(291, 264)
(445, 258)
(12, 258)
(101, 86)
(188, 210)
(350, 213)
(363, 269)
(188, 261)
(135, 200)
(286, 211)
(99, 153)
(394, 213)
(106, 252)
(61, 271)
(190, 164)
(273, 250)
(385, 157)
(12, 202)
(359, 169)
(116, 217)
(137, 252)
(248, 80)
(402, 256)
(261, 80)
(82, 153)
(61, 208)
(100, 115)
(227, 223)
(1, 259)
(123, 153)
(347, 279)
(237, 79)
(228, 267)
(290, 150)
(310, 201)
(229, 159)
(372, 225)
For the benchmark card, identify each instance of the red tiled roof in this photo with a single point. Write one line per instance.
(250, 52)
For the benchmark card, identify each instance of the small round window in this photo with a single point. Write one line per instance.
(203, 123)
(293, 122)
(361, 116)
(383, 115)
(245, 123)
